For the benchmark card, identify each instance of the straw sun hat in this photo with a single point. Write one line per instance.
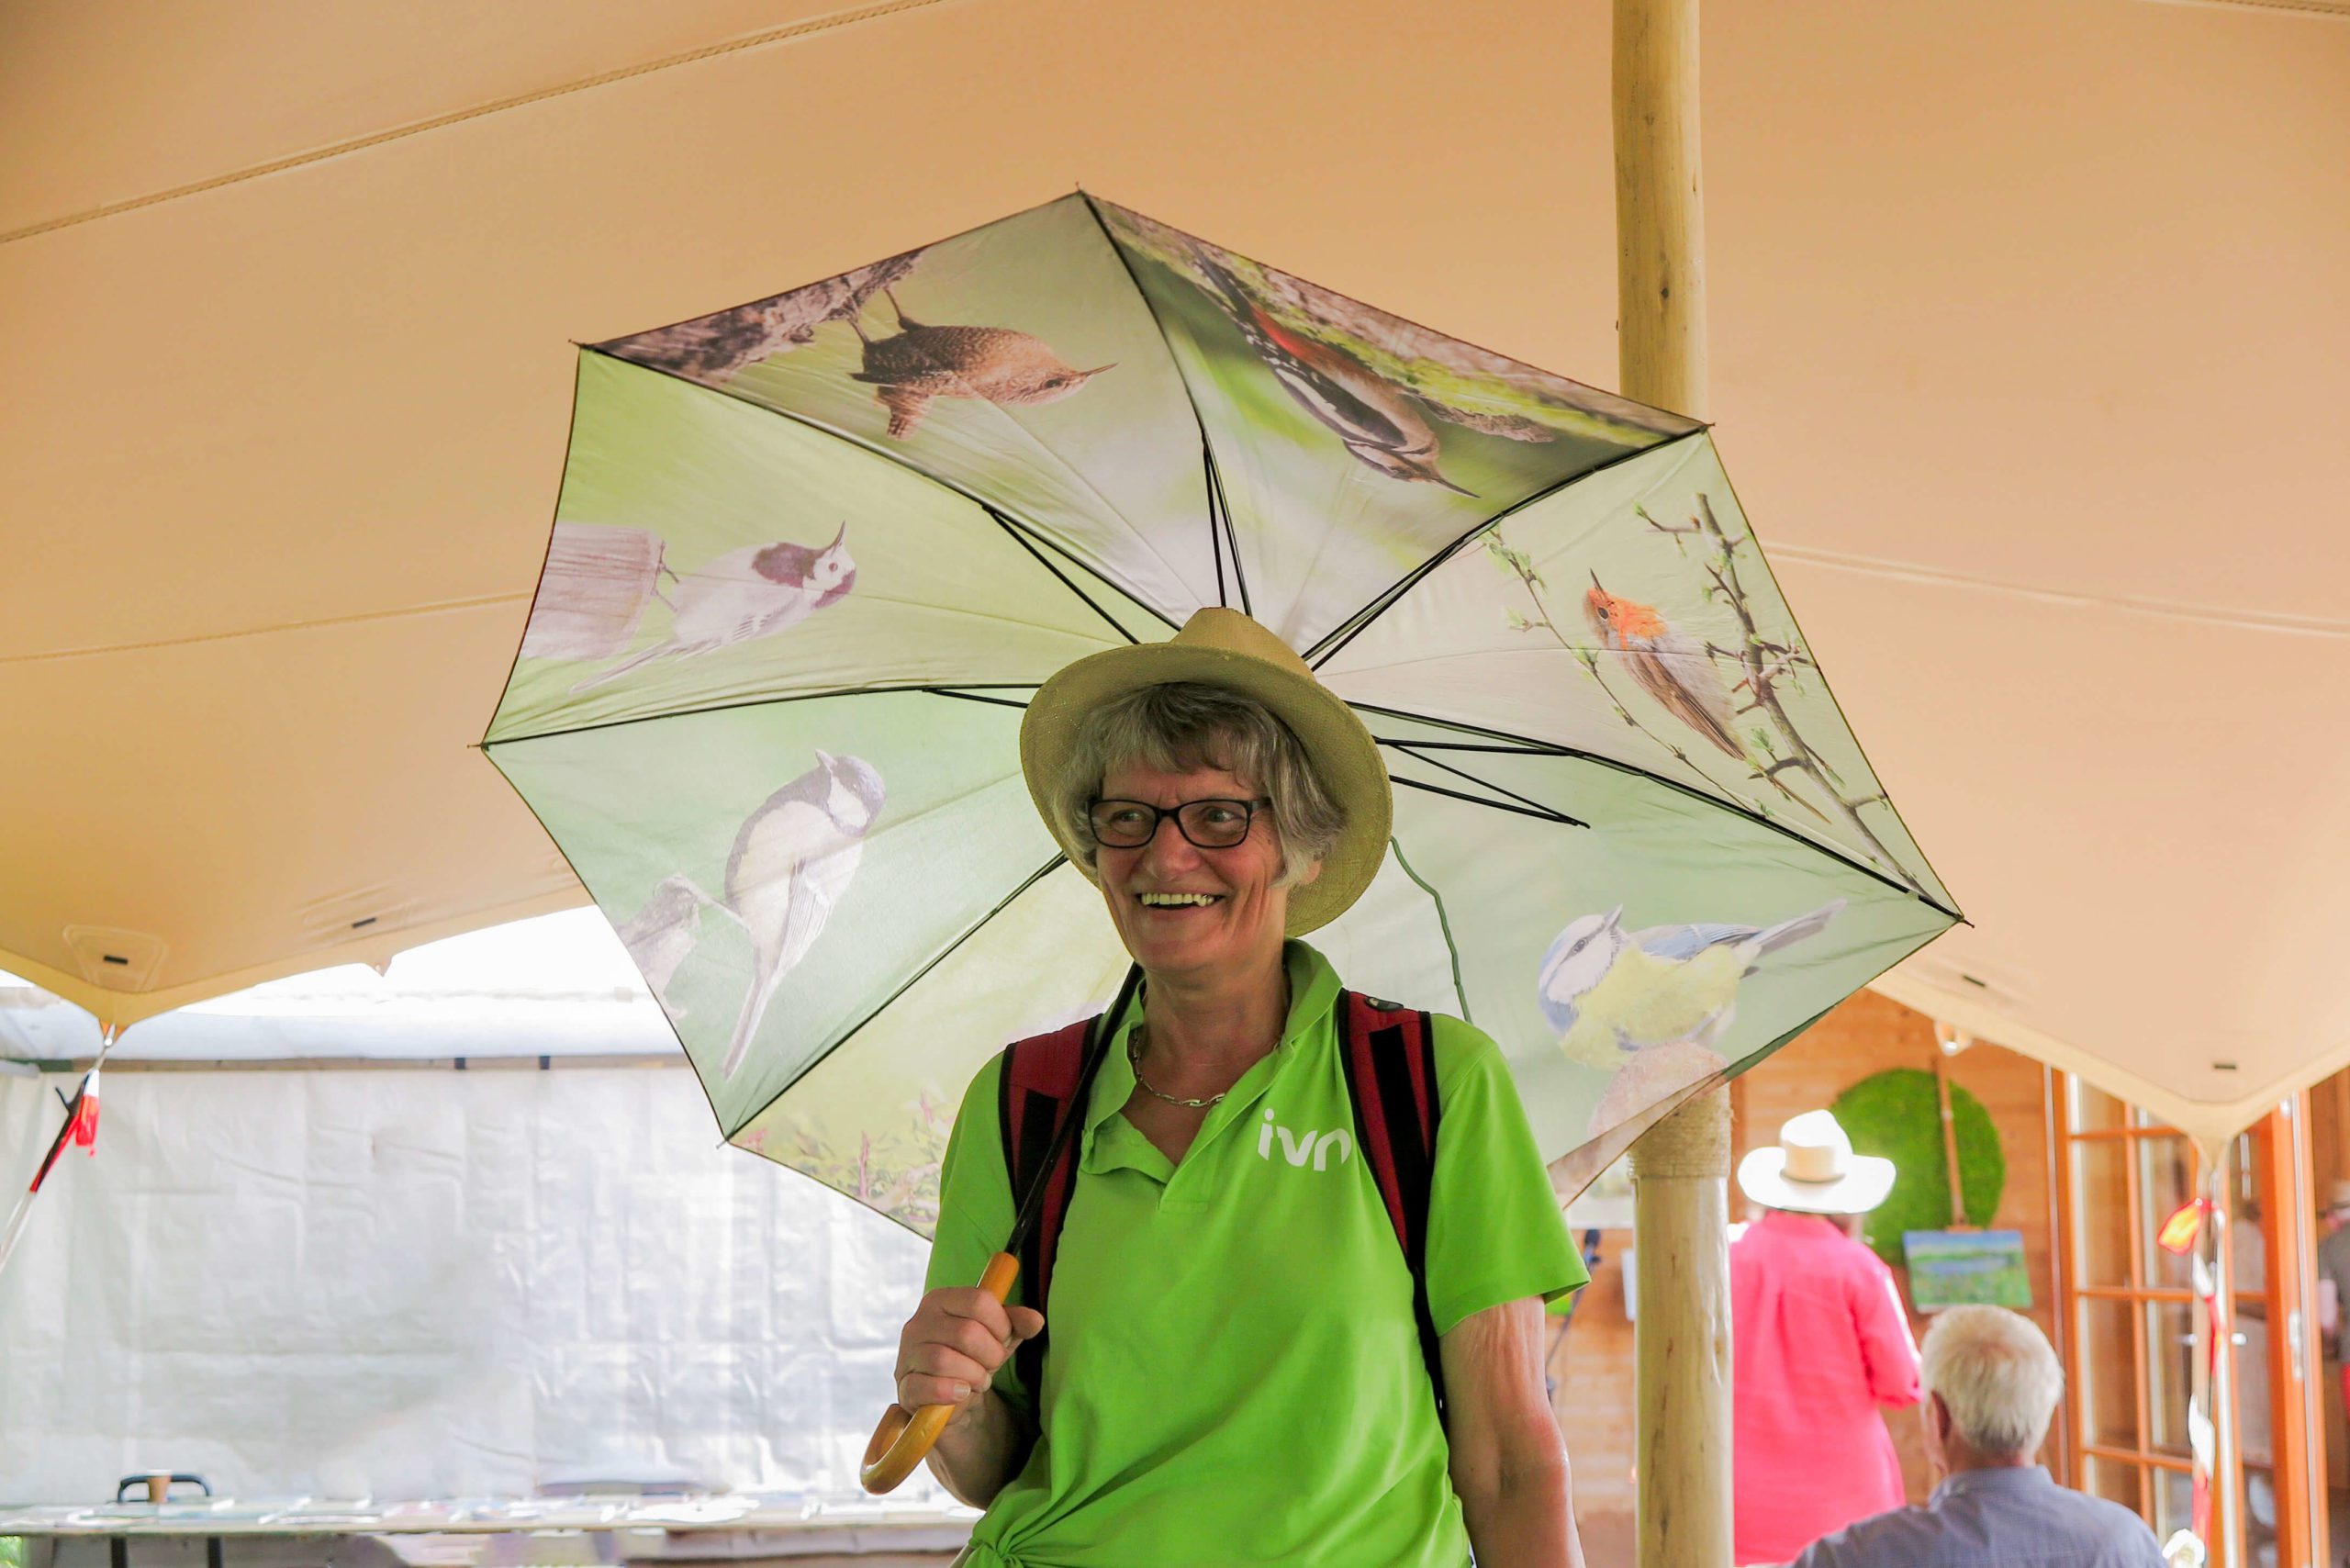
(1812, 1169)
(1224, 647)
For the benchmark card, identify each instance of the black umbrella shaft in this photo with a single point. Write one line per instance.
(1096, 1048)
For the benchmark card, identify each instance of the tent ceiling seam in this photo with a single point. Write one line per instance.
(2282, 621)
(828, 23)
(438, 607)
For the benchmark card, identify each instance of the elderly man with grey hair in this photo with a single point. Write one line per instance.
(1991, 1383)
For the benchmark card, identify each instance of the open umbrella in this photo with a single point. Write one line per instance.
(813, 553)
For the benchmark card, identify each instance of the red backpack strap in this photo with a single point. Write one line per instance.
(1035, 1094)
(1390, 1056)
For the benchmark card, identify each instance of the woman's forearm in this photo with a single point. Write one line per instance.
(1508, 1463)
(981, 1449)
(1522, 1519)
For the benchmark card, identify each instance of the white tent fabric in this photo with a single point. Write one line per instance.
(2027, 330)
(556, 985)
(407, 1284)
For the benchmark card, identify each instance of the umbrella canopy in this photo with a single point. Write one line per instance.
(2029, 372)
(814, 553)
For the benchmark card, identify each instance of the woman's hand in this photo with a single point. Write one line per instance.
(951, 1346)
(948, 1355)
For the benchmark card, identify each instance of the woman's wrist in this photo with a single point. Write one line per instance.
(982, 1448)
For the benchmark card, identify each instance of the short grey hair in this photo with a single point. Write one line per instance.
(1998, 1377)
(1176, 727)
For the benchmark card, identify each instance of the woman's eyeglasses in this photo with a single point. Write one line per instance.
(1208, 824)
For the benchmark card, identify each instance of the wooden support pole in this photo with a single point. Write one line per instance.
(1660, 213)
(1958, 1220)
(1680, 1341)
(1680, 1168)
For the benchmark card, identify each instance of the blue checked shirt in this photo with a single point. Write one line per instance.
(1993, 1518)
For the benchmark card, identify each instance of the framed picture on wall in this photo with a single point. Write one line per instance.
(1966, 1267)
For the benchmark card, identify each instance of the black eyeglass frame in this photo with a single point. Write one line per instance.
(1160, 814)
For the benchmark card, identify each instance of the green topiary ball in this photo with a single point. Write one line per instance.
(1897, 1115)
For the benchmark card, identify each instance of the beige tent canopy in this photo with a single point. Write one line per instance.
(2028, 333)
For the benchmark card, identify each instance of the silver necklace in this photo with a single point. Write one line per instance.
(1134, 1059)
(1135, 1040)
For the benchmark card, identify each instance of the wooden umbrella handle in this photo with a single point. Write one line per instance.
(903, 1436)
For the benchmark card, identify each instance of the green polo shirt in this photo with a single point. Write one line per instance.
(1233, 1375)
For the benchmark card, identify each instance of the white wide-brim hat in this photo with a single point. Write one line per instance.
(1224, 647)
(1812, 1169)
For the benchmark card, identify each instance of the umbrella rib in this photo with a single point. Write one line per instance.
(1443, 923)
(1489, 784)
(572, 866)
(1347, 631)
(991, 409)
(1232, 539)
(1108, 619)
(1483, 746)
(1540, 813)
(763, 700)
(1550, 749)
(570, 437)
(1752, 1058)
(872, 450)
(1763, 558)
(1044, 542)
(1521, 744)
(1056, 863)
(1216, 531)
(988, 408)
(968, 696)
(1207, 448)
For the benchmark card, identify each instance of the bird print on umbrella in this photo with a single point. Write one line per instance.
(792, 860)
(1611, 993)
(716, 348)
(1377, 421)
(919, 362)
(660, 935)
(1669, 667)
(756, 591)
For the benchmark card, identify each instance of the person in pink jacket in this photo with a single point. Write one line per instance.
(1819, 1341)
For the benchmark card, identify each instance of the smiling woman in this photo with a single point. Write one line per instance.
(1202, 919)
(1225, 803)
(1176, 727)
(1200, 901)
